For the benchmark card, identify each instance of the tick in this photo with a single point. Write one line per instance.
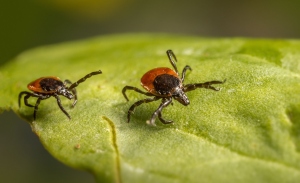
(46, 87)
(165, 84)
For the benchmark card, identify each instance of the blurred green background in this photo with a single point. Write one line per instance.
(31, 23)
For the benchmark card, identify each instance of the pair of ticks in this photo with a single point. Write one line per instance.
(160, 83)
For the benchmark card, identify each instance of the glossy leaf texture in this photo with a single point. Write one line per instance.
(249, 131)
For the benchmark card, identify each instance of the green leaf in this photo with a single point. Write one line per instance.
(249, 131)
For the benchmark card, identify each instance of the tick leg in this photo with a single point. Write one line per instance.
(160, 116)
(184, 71)
(134, 89)
(83, 79)
(36, 107)
(136, 104)
(165, 103)
(207, 85)
(26, 101)
(172, 59)
(73, 90)
(61, 107)
(67, 82)
(75, 96)
(28, 94)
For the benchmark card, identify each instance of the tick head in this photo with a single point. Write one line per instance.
(65, 92)
(180, 96)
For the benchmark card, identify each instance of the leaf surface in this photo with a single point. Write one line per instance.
(249, 131)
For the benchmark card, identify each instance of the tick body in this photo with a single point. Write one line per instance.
(46, 87)
(165, 84)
